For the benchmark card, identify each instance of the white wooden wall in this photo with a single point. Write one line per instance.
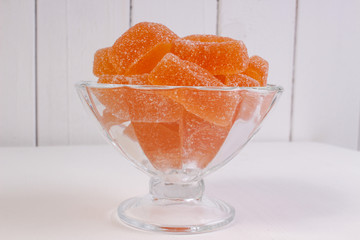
(312, 46)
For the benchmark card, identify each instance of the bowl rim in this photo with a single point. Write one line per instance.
(92, 84)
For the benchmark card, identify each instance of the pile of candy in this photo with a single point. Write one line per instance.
(183, 126)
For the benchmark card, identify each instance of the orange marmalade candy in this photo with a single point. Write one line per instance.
(200, 140)
(140, 48)
(142, 79)
(238, 80)
(258, 69)
(115, 100)
(173, 71)
(152, 106)
(218, 55)
(160, 143)
(216, 107)
(102, 64)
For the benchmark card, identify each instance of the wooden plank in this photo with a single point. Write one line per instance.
(184, 17)
(17, 73)
(267, 29)
(327, 85)
(52, 73)
(83, 27)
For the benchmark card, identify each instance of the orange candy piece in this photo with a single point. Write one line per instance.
(218, 55)
(238, 80)
(102, 64)
(200, 140)
(140, 48)
(173, 71)
(217, 107)
(115, 100)
(142, 79)
(160, 143)
(149, 106)
(258, 69)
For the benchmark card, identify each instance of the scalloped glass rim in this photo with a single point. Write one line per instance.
(269, 87)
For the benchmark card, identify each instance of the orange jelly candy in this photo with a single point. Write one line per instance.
(115, 100)
(258, 69)
(173, 71)
(218, 55)
(238, 80)
(102, 64)
(142, 79)
(139, 49)
(152, 106)
(217, 107)
(160, 143)
(200, 140)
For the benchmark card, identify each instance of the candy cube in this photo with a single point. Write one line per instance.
(102, 64)
(218, 55)
(258, 69)
(160, 143)
(139, 49)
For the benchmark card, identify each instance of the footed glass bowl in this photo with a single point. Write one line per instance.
(177, 135)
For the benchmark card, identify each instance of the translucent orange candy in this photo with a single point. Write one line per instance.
(200, 140)
(214, 106)
(238, 80)
(173, 71)
(161, 144)
(115, 100)
(152, 106)
(102, 64)
(139, 49)
(218, 55)
(258, 69)
(142, 79)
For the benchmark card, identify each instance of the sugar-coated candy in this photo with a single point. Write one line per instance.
(142, 79)
(152, 106)
(238, 80)
(200, 140)
(218, 55)
(258, 69)
(173, 71)
(216, 107)
(140, 48)
(114, 101)
(102, 64)
(160, 143)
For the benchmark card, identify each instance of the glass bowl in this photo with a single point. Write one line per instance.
(177, 135)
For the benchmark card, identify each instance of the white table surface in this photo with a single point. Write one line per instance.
(279, 190)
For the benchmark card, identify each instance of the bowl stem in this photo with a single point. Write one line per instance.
(178, 191)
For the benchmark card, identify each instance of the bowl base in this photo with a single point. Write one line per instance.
(179, 216)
